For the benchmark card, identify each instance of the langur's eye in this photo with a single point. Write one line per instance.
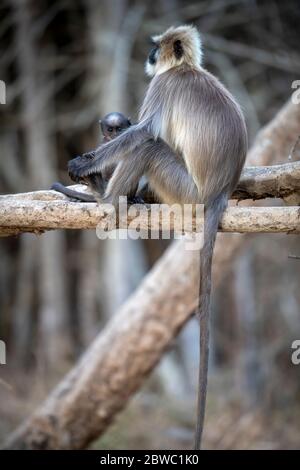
(110, 129)
(118, 129)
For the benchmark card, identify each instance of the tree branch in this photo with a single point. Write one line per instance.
(45, 210)
(38, 216)
(259, 182)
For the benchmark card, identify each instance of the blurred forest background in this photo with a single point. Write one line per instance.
(66, 64)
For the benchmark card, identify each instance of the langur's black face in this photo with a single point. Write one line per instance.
(152, 58)
(113, 124)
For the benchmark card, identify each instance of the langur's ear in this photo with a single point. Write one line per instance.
(129, 120)
(178, 49)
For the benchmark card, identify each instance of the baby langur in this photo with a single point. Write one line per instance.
(191, 143)
(111, 126)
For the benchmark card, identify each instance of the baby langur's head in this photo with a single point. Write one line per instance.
(177, 46)
(113, 124)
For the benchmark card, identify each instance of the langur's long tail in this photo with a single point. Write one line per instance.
(213, 214)
(71, 193)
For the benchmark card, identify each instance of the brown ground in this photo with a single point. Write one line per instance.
(152, 421)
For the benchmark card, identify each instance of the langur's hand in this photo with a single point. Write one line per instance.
(78, 166)
(73, 169)
(89, 155)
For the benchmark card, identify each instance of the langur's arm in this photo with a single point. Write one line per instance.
(110, 153)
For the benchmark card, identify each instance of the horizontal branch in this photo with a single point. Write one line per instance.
(38, 216)
(45, 210)
(259, 182)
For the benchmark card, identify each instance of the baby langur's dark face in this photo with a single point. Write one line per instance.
(113, 124)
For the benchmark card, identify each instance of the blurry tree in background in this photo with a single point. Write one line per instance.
(67, 63)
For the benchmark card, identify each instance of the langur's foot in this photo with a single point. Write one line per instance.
(135, 200)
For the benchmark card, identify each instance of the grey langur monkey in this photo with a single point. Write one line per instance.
(191, 143)
(111, 126)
